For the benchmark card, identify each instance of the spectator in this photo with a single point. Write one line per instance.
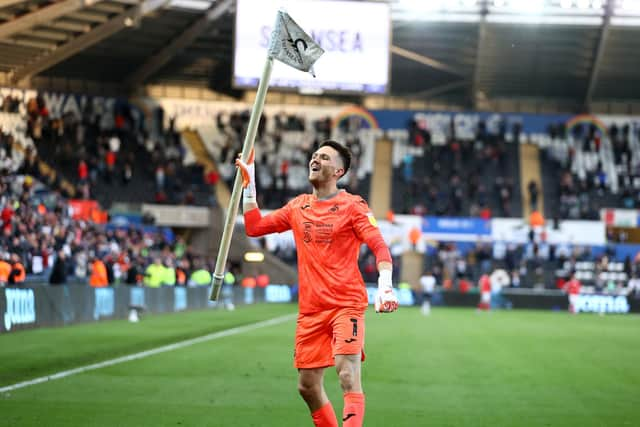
(427, 284)
(99, 277)
(169, 273)
(114, 144)
(227, 289)
(248, 283)
(200, 277)
(135, 273)
(154, 275)
(485, 293)
(127, 173)
(572, 288)
(485, 212)
(59, 272)
(83, 171)
(5, 271)
(532, 187)
(6, 216)
(181, 272)
(160, 178)
(110, 161)
(633, 286)
(464, 285)
(212, 177)
(18, 274)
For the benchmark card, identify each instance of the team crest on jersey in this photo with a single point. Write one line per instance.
(307, 232)
(372, 219)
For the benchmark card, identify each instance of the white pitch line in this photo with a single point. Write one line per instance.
(152, 352)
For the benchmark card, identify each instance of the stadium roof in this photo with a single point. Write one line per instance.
(462, 51)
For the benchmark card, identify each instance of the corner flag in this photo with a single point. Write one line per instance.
(291, 45)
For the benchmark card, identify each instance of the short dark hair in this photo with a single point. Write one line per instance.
(343, 151)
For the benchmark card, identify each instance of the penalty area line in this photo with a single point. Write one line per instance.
(151, 352)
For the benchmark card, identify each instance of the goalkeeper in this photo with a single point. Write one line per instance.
(329, 226)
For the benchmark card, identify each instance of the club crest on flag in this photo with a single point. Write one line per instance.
(291, 45)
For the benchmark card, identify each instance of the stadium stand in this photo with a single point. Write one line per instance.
(42, 230)
(284, 145)
(584, 172)
(117, 157)
(602, 274)
(479, 177)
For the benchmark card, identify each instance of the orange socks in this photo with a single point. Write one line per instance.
(353, 413)
(325, 416)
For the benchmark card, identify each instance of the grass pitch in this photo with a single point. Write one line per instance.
(453, 368)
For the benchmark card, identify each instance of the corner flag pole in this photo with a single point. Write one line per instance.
(291, 45)
(232, 209)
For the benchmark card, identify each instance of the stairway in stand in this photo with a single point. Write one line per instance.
(49, 173)
(380, 192)
(193, 140)
(530, 171)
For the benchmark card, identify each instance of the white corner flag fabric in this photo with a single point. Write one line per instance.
(291, 45)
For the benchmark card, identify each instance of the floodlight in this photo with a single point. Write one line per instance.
(254, 256)
(566, 4)
(596, 4)
(499, 3)
(583, 4)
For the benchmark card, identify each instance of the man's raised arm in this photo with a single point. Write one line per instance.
(254, 223)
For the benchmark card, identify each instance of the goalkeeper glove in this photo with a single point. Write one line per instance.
(386, 300)
(248, 172)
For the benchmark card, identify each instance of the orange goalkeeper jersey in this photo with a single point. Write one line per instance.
(328, 234)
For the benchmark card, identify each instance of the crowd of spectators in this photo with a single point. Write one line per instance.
(100, 152)
(42, 240)
(96, 153)
(10, 104)
(41, 236)
(536, 264)
(474, 177)
(284, 144)
(596, 170)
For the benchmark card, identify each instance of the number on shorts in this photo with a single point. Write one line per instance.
(355, 326)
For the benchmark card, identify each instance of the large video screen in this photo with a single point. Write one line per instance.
(355, 37)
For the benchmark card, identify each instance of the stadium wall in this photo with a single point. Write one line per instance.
(46, 306)
(40, 306)
(555, 300)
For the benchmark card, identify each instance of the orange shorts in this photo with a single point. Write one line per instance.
(321, 336)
